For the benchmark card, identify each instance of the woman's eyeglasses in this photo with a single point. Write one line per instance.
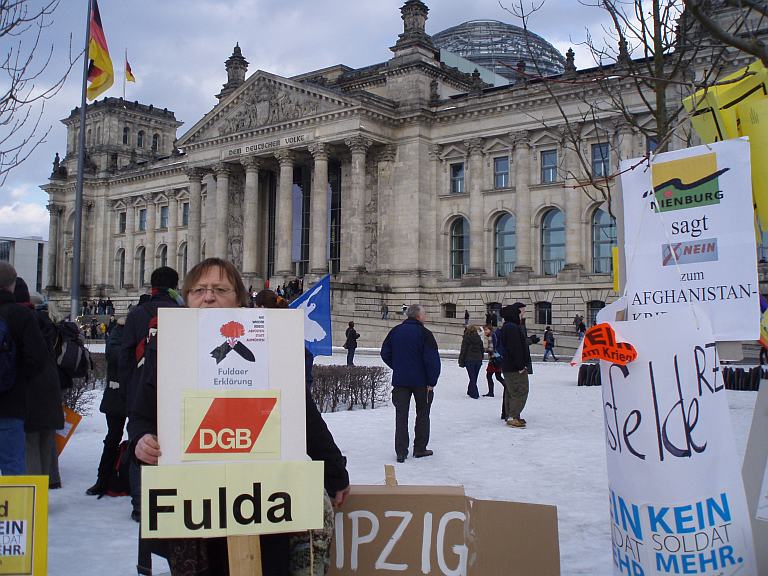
(217, 291)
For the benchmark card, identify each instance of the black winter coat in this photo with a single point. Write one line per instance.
(44, 410)
(113, 402)
(515, 352)
(31, 352)
(352, 337)
(472, 349)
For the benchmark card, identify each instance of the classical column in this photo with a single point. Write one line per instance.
(130, 242)
(195, 215)
(53, 244)
(149, 241)
(318, 260)
(251, 218)
(385, 167)
(573, 226)
(358, 145)
(222, 210)
(430, 248)
(87, 245)
(284, 236)
(476, 224)
(522, 166)
(173, 229)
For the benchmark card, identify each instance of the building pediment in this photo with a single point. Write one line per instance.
(265, 100)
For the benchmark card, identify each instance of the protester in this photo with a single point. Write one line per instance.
(549, 344)
(216, 283)
(577, 319)
(581, 329)
(351, 343)
(384, 311)
(22, 356)
(466, 317)
(516, 362)
(410, 350)
(163, 281)
(113, 406)
(44, 414)
(494, 363)
(471, 358)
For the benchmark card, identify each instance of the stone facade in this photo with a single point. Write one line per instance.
(399, 178)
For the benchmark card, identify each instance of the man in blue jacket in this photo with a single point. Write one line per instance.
(410, 350)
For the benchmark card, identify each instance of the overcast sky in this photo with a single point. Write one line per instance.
(177, 50)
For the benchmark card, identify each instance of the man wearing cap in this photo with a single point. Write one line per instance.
(516, 362)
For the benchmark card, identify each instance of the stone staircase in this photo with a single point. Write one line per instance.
(448, 333)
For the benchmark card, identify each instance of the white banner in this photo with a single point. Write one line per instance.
(677, 501)
(693, 241)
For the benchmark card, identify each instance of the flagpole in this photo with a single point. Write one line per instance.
(125, 71)
(76, 236)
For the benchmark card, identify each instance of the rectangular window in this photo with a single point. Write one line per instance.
(601, 165)
(163, 216)
(501, 172)
(185, 214)
(548, 166)
(121, 219)
(457, 178)
(142, 220)
(5, 250)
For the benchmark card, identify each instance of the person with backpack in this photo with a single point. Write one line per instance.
(139, 323)
(113, 406)
(549, 344)
(22, 355)
(44, 414)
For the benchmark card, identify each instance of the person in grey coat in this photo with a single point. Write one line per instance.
(471, 358)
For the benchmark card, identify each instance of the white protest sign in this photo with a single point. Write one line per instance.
(236, 395)
(677, 501)
(693, 241)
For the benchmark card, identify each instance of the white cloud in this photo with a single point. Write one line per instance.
(24, 219)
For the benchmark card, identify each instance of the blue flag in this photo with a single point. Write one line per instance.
(316, 303)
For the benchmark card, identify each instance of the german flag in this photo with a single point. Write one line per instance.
(128, 73)
(101, 74)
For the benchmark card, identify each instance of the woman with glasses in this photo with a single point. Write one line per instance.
(216, 283)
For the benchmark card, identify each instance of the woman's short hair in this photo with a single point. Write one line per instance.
(269, 299)
(226, 268)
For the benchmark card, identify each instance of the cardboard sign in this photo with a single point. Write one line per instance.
(677, 502)
(755, 474)
(690, 239)
(71, 420)
(23, 525)
(231, 499)
(600, 342)
(435, 530)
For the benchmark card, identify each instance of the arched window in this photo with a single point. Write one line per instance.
(155, 142)
(459, 247)
(603, 240)
(140, 139)
(141, 256)
(126, 135)
(88, 140)
(163, 255)
(98, 134)
(181, 265)
(120, 268)
(552, 242)
(505, 244)
(593, 307)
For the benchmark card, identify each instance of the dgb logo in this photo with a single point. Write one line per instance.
(238, 426)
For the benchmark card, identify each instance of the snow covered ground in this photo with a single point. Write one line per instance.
(559, 459)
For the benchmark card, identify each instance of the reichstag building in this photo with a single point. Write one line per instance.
(441, 176)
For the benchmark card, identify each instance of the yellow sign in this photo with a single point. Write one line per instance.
(231, 425)
(242, 499)
(23, 525)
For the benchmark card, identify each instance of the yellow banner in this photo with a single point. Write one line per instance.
(231, 425)
(23, 525)
(753, 116)
(203, 501)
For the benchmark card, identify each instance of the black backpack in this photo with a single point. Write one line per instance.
(71, 354)
(7, 357)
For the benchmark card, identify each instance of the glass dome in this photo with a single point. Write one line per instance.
(499, 47)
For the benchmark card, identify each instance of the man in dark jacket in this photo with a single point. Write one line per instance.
(30, 347)
(516, 362)
(164, 281)
(410, 350)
